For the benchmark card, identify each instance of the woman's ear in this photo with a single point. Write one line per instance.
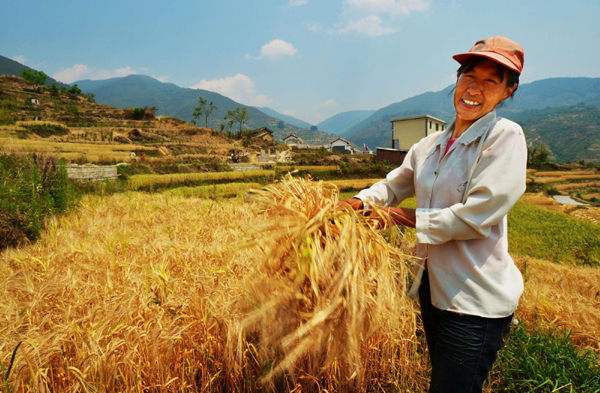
(509, 90)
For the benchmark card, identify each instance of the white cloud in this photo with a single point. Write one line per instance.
(373, 18)
(371, 26)
(291, 112)
(313, 27)
(295, 3)
(163, 78)
(239, 88)
(20, 59)
(274, 50)
(68, 75)
(105, 74)
(330, 103)
(83, 71)
(393, 7)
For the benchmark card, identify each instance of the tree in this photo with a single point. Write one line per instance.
(74, 90)
(537, 156)
(314, 128)
(204, 109)
(90, 96)
(239, 116)
(54, 89)
(33, 76)
(280, 125)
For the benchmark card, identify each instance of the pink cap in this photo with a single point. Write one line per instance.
(500, 49)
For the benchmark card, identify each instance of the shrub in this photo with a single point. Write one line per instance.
(90, 96)
(32, 187)
(54, 90)
(139, 113)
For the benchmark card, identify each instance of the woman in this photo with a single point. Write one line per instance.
(466, 179)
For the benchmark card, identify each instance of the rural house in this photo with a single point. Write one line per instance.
(263, 133)
(406, 131)
(293, 140)
(341, 146)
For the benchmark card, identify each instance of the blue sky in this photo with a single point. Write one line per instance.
(308, 58)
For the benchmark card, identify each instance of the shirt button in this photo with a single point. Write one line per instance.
(435, 173)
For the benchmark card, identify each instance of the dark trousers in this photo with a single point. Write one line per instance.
(462, 348)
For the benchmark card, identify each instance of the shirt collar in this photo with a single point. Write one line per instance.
(476, 130)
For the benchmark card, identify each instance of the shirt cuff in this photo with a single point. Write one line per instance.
(423, 225)
(366, 206)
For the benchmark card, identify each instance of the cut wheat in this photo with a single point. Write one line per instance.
(327, 285)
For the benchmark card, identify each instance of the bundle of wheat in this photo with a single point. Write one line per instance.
(330, 290)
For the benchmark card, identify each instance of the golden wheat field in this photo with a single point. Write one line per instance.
(165, 292)
(138, 292)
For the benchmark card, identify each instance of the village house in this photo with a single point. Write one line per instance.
(406, 131)
(263, 133)
(293, 140)
(341, 146)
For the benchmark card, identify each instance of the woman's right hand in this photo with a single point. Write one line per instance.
(353, 203)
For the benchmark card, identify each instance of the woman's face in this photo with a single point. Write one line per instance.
(479, 90)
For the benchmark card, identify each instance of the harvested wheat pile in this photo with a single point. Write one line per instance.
(328, 288)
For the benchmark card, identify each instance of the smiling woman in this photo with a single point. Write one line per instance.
(466, 179)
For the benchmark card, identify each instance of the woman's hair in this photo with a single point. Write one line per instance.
(512, 76)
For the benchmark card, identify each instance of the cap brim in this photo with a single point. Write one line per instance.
(462, 57)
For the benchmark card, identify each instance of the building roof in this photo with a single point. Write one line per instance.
(261, 130)
(416, 118)
(293, 136)
(382, 149)
(340, 139)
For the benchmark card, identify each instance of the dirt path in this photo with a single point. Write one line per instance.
(567, 200)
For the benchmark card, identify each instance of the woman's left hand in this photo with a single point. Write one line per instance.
(399, 216)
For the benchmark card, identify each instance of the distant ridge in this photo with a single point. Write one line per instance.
(341, 122)
(287, 118)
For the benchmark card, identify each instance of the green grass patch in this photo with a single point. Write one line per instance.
(540, 361)
(46, 129)
(6, 118)
(537, 232)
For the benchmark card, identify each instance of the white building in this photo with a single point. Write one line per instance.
(341, 146)
(293, 140)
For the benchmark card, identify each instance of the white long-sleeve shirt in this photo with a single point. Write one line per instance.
(463, 198)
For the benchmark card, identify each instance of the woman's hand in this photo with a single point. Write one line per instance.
(399, 216)
(354, 204)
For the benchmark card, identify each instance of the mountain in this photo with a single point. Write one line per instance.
(571, 133)
(11, 67)
(172, 100)
(288, 119)
(547, 93)
(339, 123)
